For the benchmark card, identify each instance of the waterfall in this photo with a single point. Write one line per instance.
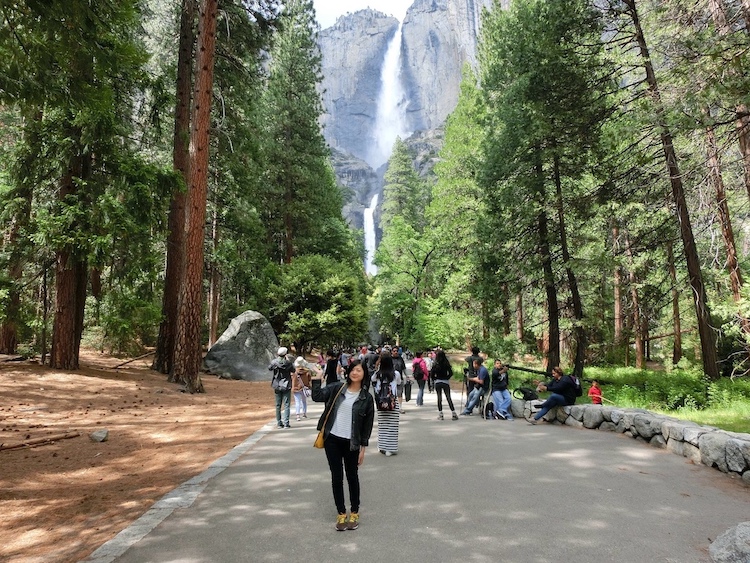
(370, 268)
(390, 117)
(390, 122)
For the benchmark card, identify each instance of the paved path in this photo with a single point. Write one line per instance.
(469, 490)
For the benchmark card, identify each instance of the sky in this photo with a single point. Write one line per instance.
(328, 10)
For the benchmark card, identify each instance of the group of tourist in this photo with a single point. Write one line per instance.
(351, 402)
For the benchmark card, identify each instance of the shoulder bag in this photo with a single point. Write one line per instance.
(320, 440)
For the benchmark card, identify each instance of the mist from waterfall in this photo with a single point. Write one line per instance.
(369, 222)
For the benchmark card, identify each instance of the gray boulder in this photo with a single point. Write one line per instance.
(593, 417)
(733, 546)
(713, 447)
(244, 350)
(738, 454)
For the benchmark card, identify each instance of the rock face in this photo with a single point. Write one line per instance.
(733, 546)
(439, 37)
(352, 53)
(244, 350)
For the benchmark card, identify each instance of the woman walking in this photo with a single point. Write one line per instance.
(387, 377)
(442, 372)
(346, 423)
(300, 382)
(420, 373)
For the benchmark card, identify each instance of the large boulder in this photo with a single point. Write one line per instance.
(733, 546)
(244, 350)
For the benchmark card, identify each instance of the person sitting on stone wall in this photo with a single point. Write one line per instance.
(562, 389)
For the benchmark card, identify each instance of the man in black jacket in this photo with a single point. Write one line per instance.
(282, 368)
(562, 389)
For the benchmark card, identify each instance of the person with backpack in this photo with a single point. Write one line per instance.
(481, 381)
(562, 389)
(332, 368)
(281, 382)
(442, 372)
(346, 423)
(399, 366)
(500, 394)
(386, 381)
(419, 372)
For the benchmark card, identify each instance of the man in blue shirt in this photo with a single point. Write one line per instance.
(481, 381)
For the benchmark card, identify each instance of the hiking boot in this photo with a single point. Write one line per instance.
(279, 425)
(454, 416)
(353, 523)
(287, 425)
(341, 523)
(440, 416)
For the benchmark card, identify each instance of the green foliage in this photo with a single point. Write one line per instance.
(317, 300)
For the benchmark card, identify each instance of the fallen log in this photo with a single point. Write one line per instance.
(147, 354)
(40, 441)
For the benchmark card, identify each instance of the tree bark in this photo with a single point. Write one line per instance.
(164, 356)
(519, 316)
(214, 291)
(676, 322)
(187, 358)
(578, 328)
(617, 288)
(703, 313)
(638, 335)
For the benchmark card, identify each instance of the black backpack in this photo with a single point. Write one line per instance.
(386, 400)
(489, 410)
(577, 383)
(525, 394)
(418, 372)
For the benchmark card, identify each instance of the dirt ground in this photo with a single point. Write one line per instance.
(62, 500)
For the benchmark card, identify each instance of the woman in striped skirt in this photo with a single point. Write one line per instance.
(387, 418)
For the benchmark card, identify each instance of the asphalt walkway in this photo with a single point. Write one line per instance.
(466, 490)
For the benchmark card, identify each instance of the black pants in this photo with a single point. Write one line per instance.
(341, 459)
(441, 388)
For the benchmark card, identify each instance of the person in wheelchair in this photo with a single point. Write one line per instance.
(481, 381)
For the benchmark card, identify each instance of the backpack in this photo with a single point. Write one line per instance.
(489, 410)
(525, 394)
(417, 371)
(577, 383)
(386, 400)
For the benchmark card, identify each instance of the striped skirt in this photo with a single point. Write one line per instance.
(388, 430)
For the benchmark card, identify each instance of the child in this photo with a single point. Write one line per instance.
(595, 393)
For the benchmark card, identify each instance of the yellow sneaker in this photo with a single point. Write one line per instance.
(341, 523)
(353, 521)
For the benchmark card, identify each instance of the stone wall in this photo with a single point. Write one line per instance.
(726, 451)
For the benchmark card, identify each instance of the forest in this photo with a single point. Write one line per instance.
(162, 169)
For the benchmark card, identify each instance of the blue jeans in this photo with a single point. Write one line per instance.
(554, 400)
(474, 397)
(420, 393)
(283, 397)
(502, 402)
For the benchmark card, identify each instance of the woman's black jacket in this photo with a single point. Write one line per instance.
(363, 411)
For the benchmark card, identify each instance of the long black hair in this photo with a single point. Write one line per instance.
(386, 372)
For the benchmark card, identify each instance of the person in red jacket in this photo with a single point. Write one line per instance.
(419, 372)
(595, 393)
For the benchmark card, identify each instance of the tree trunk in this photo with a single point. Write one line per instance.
(519, 317)
(676, 323)
(187, 358)
(638, 335)
(553, 311)
(617, 287)
(214, 291)
(578, 328)
(703, 313)
(164, 355)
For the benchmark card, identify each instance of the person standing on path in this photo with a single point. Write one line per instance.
(348, 418)
(419, 372)
(442, 372)
(332, 368)
(387, 419)
(300, 382)
(281, 382)
(500, 394)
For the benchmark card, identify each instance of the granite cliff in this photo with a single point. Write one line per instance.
(438, 37)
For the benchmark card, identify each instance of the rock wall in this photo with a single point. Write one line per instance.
(726, 451)
(352, 53)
